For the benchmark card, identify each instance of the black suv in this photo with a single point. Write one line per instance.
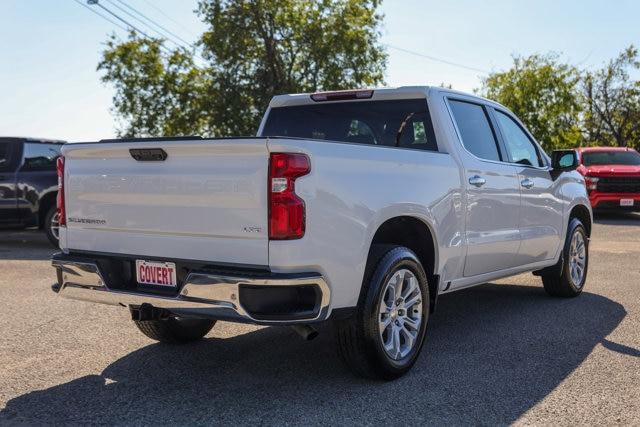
(29, 184)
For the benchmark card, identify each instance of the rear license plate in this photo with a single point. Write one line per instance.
(156, 273)
(626, 202)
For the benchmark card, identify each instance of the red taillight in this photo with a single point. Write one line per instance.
(62, 215)
(286, 209)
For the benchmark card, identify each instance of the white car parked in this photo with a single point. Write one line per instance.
(356, 206)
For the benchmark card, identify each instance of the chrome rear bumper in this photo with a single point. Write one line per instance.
(205, 295)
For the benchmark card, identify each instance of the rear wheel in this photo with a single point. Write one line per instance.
(567, 278)
(384, 338)
(52, 226)
(175, 330)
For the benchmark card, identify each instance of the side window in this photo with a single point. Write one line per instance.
(475, 130)
(38, 156)
(519, 146)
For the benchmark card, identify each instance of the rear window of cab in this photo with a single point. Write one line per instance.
(394, 123)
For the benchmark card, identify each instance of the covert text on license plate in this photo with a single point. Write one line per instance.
(156, 273)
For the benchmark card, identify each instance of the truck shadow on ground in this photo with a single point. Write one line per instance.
(492, 353)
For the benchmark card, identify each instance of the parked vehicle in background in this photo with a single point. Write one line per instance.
(355, 206)
(612, 177)
(29, 184)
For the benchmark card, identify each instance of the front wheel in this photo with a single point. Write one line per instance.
(384, 338)
(175, 330)
(567, 278)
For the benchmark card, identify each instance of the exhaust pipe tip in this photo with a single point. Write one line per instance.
(306, 332)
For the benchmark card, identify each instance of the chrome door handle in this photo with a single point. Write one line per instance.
(477, 180)
(526, 183)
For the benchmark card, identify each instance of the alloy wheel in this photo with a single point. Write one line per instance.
(400, 314)
(577, 259)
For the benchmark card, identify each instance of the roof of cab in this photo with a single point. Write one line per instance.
(379, 94)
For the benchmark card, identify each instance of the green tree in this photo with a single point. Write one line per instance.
(543, 93)
(251, 50)
(612, 102)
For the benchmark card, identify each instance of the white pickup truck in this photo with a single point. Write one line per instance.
(359, 207)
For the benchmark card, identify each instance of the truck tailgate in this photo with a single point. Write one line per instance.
(206, 201)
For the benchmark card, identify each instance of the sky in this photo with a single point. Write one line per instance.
(49, 50)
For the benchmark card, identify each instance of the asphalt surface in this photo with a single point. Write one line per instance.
(499, 353)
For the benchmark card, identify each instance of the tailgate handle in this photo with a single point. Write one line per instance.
(148, 154)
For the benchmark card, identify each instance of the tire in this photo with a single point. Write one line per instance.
(359, 340)
(50, 226)
(175, 330)
(559, 281)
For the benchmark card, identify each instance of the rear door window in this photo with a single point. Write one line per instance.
(475, 131)
(401, 123)
(39, 156)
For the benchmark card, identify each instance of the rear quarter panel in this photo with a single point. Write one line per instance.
(351, 190)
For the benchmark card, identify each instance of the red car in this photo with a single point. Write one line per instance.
(612, 176)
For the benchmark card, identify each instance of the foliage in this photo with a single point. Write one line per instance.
(154, 94)
(564, 107)
(542, 92)
(612, 99)
(251, 50)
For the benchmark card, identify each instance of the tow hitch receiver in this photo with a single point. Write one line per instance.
(147, 312)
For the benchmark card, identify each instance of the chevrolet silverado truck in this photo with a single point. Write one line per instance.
(612, 176)
(360, 207)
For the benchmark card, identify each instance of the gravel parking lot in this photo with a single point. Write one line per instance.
(499, 353)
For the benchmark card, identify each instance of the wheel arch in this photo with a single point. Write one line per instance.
(419, 236)
(582, 213)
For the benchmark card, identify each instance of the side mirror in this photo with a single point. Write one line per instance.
(564, 160)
